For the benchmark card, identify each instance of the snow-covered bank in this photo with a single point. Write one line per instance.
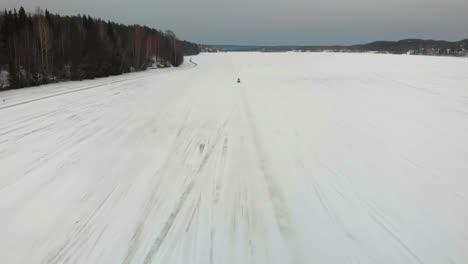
(9, 98)
(313, 158)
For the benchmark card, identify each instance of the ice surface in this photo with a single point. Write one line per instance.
(313, 158)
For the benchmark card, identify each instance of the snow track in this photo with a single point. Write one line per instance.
(313, 158)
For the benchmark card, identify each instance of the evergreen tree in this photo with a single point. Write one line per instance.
(42, 47)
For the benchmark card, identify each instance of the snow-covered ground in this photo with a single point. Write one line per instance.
(313, 158)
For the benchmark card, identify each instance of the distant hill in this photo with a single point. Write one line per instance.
(416, 46)
(405, 46)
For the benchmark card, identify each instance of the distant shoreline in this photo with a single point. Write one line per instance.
(405, 46)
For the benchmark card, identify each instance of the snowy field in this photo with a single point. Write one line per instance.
(313, 158)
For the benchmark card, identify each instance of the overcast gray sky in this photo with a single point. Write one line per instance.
(277, 22)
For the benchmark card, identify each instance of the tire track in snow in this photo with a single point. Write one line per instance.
(380, 220)
(150, 205)
(194, 63)
(281, 211)
(152, 200)
(168, 223)
(84, 88)
(68, 92)
(183, 198)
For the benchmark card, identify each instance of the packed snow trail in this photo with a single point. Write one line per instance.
(313, 158)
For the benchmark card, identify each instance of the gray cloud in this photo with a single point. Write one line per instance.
(278, 22)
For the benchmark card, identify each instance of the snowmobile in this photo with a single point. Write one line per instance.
(238, 80)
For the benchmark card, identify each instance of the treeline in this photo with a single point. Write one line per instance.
(42, 47)
(417, 46)
(405, 46)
